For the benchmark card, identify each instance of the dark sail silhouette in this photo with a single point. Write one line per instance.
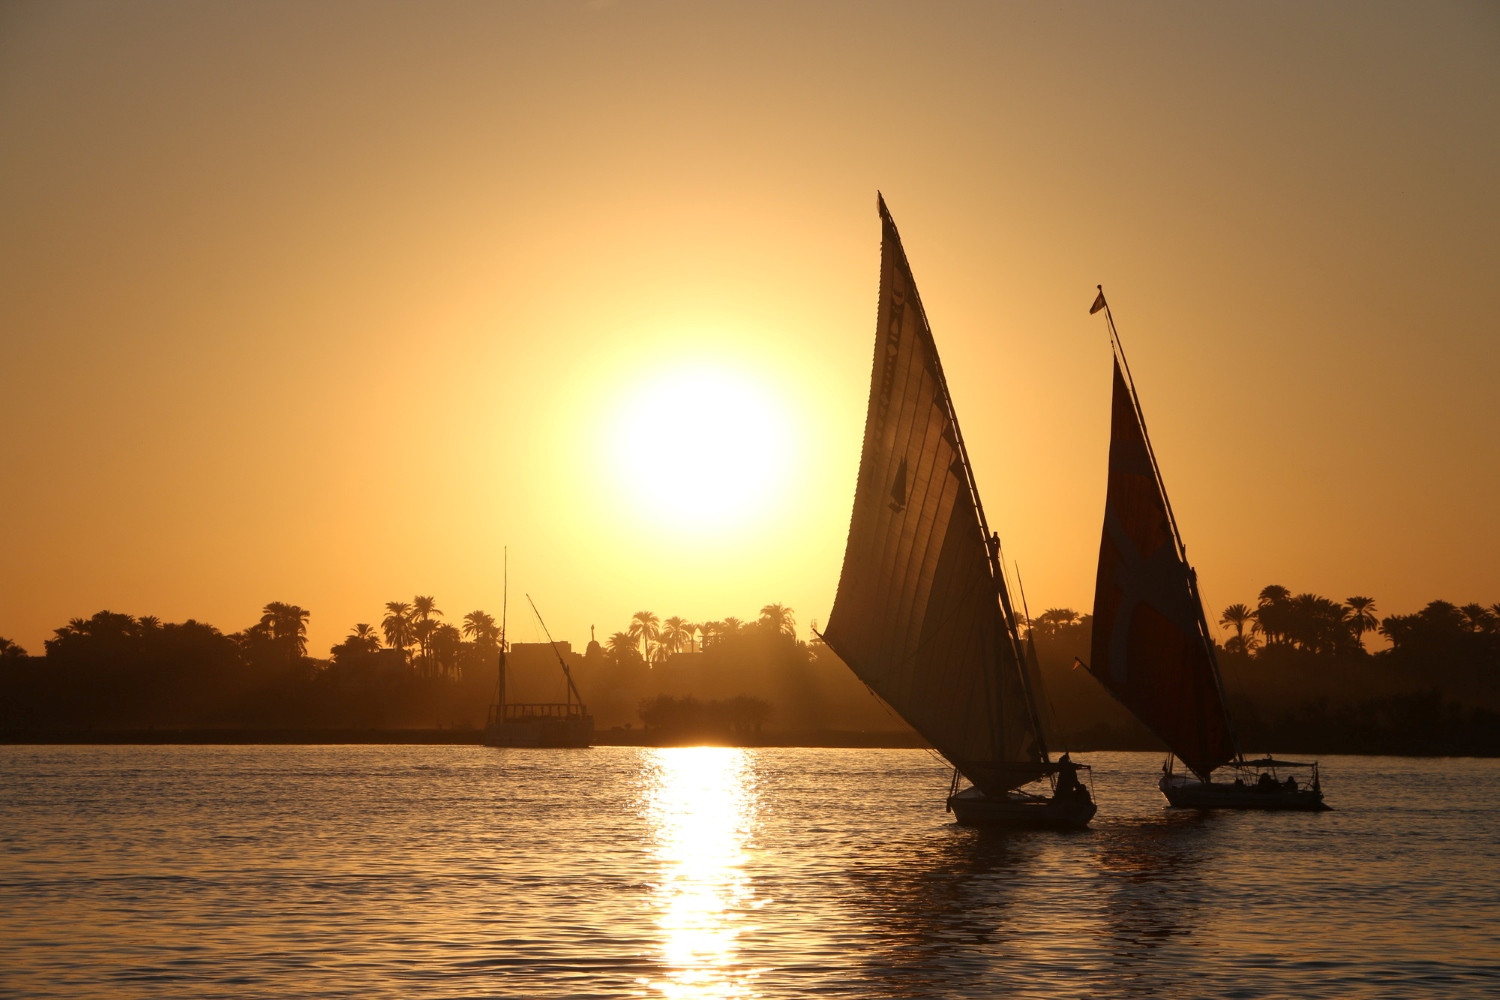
(922, 614)
(1150, 644)
(1152, 647)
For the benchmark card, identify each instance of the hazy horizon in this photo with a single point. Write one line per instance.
(330, 304)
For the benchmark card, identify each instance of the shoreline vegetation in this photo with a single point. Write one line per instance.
(1298, 675)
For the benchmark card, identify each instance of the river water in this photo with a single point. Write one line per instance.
(412, 871)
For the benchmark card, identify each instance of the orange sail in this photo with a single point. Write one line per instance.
(1150, 647)
(918, 615)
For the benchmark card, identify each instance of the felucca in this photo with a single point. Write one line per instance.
(1152, 648)
(922, 614)
(536, 724)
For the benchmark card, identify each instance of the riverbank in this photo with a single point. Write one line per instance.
(428, 737)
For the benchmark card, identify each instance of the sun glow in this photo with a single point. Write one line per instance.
(703, 447)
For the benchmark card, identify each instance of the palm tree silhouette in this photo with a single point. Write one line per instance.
(397, 625)
(645, 627)
(1237, 616)
(481, 628)
(446, 642)
(778, 618)
(364, 638)
(423, 609)
(287, 624)
(1478, 617)
(674, 632)
(1362, 617)
(421, 631)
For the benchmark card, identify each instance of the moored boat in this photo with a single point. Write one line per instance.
(923, 614)
(537, 724)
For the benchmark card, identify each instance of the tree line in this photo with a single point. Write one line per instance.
(649, 639)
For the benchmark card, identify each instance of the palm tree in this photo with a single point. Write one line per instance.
(645, 627)
(364, 638)
(674, 632)
(778, 619)
(422, 630)
(1362, 617)
(397, 625)
(481, 628)
(423, 609)
(1478, 616)
(1237, 616)
(288, 626)
(1270, 612)
(446, 642)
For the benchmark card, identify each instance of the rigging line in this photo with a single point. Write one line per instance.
(1140, 416)
(555, 652)
(1035, 659)
(1026, 692)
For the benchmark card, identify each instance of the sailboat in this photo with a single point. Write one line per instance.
(1152, 648)
(923, 614)
(536, 724)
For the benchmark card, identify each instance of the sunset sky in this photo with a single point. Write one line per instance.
(329, 303)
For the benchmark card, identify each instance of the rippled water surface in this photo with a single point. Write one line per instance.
(705, 872)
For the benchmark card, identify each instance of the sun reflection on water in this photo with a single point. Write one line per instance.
(701, 805)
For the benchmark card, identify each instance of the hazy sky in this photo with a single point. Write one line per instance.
(327, 303)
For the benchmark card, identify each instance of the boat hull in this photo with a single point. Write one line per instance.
(1217, 795)
(1022, 812)
(541, 733)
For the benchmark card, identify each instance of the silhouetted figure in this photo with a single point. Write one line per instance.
(1068, 785)
(1266, 783)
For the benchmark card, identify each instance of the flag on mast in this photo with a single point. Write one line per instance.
(1098, 302)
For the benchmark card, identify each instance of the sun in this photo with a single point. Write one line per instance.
(702, 446)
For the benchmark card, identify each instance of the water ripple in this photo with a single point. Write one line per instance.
(394, 871)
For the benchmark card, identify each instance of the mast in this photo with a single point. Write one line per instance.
(504, 609)
(1204, 635)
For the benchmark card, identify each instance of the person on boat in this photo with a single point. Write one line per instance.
(1291, 783)
(1239, 783)
(1266, 783)
(1068, 785)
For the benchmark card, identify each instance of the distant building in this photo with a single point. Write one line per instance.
(528, 649)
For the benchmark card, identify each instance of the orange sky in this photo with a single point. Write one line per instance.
(326, 303)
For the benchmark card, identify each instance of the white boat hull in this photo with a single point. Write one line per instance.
(971, 807)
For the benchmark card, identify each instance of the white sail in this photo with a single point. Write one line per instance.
(921, 615)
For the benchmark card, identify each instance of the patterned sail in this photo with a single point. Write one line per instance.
(918, 614)
(1149, 649)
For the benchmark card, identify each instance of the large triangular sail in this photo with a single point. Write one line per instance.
(1151, 647)
(922, 615)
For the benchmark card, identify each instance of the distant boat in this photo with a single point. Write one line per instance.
(922, 614)
(537, 724)
(1152, 647)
